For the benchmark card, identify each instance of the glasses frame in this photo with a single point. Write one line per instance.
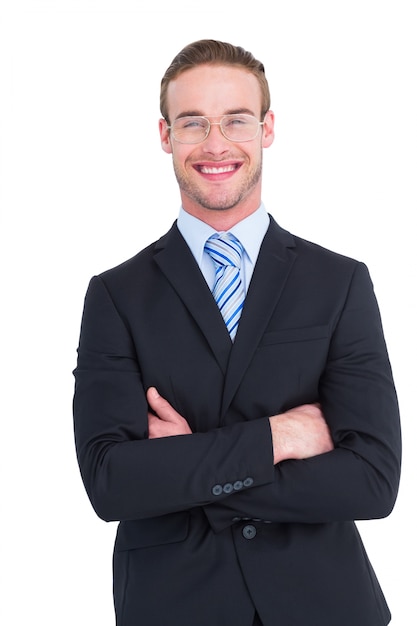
(210, 124)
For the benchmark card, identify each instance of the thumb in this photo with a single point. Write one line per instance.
(152, 393)
(161, 407)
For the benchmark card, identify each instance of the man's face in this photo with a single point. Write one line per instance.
(217, 174)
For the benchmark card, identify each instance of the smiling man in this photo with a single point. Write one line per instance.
(234, 405)
(217, 173)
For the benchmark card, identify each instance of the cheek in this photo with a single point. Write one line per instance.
(255, 156)
(182, 156)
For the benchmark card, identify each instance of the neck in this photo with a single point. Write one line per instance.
(222, 219)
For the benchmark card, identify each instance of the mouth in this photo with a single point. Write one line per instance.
(215, 170)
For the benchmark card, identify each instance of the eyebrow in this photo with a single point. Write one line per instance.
(196, 113)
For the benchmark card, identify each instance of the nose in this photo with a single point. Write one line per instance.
(215, 142)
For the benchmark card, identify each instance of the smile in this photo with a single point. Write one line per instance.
(205, 169)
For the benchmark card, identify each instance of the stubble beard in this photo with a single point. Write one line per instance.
(221, 200)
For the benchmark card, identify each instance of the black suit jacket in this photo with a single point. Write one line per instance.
(210, 528)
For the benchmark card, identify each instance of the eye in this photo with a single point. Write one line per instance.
(236, 120)
(191, 123)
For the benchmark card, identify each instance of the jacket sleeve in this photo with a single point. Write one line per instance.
(126, 475)
(359, 479)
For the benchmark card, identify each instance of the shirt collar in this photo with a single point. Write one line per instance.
(250, 232)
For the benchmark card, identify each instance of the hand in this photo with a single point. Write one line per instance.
(164, 421)
(300, 433)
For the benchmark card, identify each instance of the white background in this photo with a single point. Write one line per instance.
(85, 185)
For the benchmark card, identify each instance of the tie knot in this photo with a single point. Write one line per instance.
(224, 249)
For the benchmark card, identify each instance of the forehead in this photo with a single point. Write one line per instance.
(213, 90)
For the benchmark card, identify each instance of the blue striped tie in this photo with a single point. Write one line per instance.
(228, 291)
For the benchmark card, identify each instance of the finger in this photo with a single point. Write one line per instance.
(162, 407)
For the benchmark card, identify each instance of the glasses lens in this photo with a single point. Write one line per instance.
(192, 129)
(240, 127)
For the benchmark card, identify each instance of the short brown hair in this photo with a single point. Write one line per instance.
(209, 51)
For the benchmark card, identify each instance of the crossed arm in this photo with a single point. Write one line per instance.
(299, 433)
(124, 446)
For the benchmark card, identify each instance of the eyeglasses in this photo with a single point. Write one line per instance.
(196, 128)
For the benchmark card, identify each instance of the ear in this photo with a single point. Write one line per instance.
(165, 136)
(268, 133)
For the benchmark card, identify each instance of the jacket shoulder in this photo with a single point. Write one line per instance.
(311, 252)
(140, 265)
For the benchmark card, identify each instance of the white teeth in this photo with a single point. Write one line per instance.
(217, 170)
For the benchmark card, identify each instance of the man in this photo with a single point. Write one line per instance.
(235, 450)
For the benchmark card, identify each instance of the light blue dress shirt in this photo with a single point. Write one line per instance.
(250, 232)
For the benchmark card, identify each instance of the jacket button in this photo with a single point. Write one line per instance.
(237, 485)
(248, 482)
(217, 490)
(228, 488)
(249, 531)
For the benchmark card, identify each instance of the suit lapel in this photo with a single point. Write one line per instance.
(272, 269)
(275, 260)
(179, 266)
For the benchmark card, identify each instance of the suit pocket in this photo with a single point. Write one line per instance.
(155, 531)
(287, 366)
(294, 335)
